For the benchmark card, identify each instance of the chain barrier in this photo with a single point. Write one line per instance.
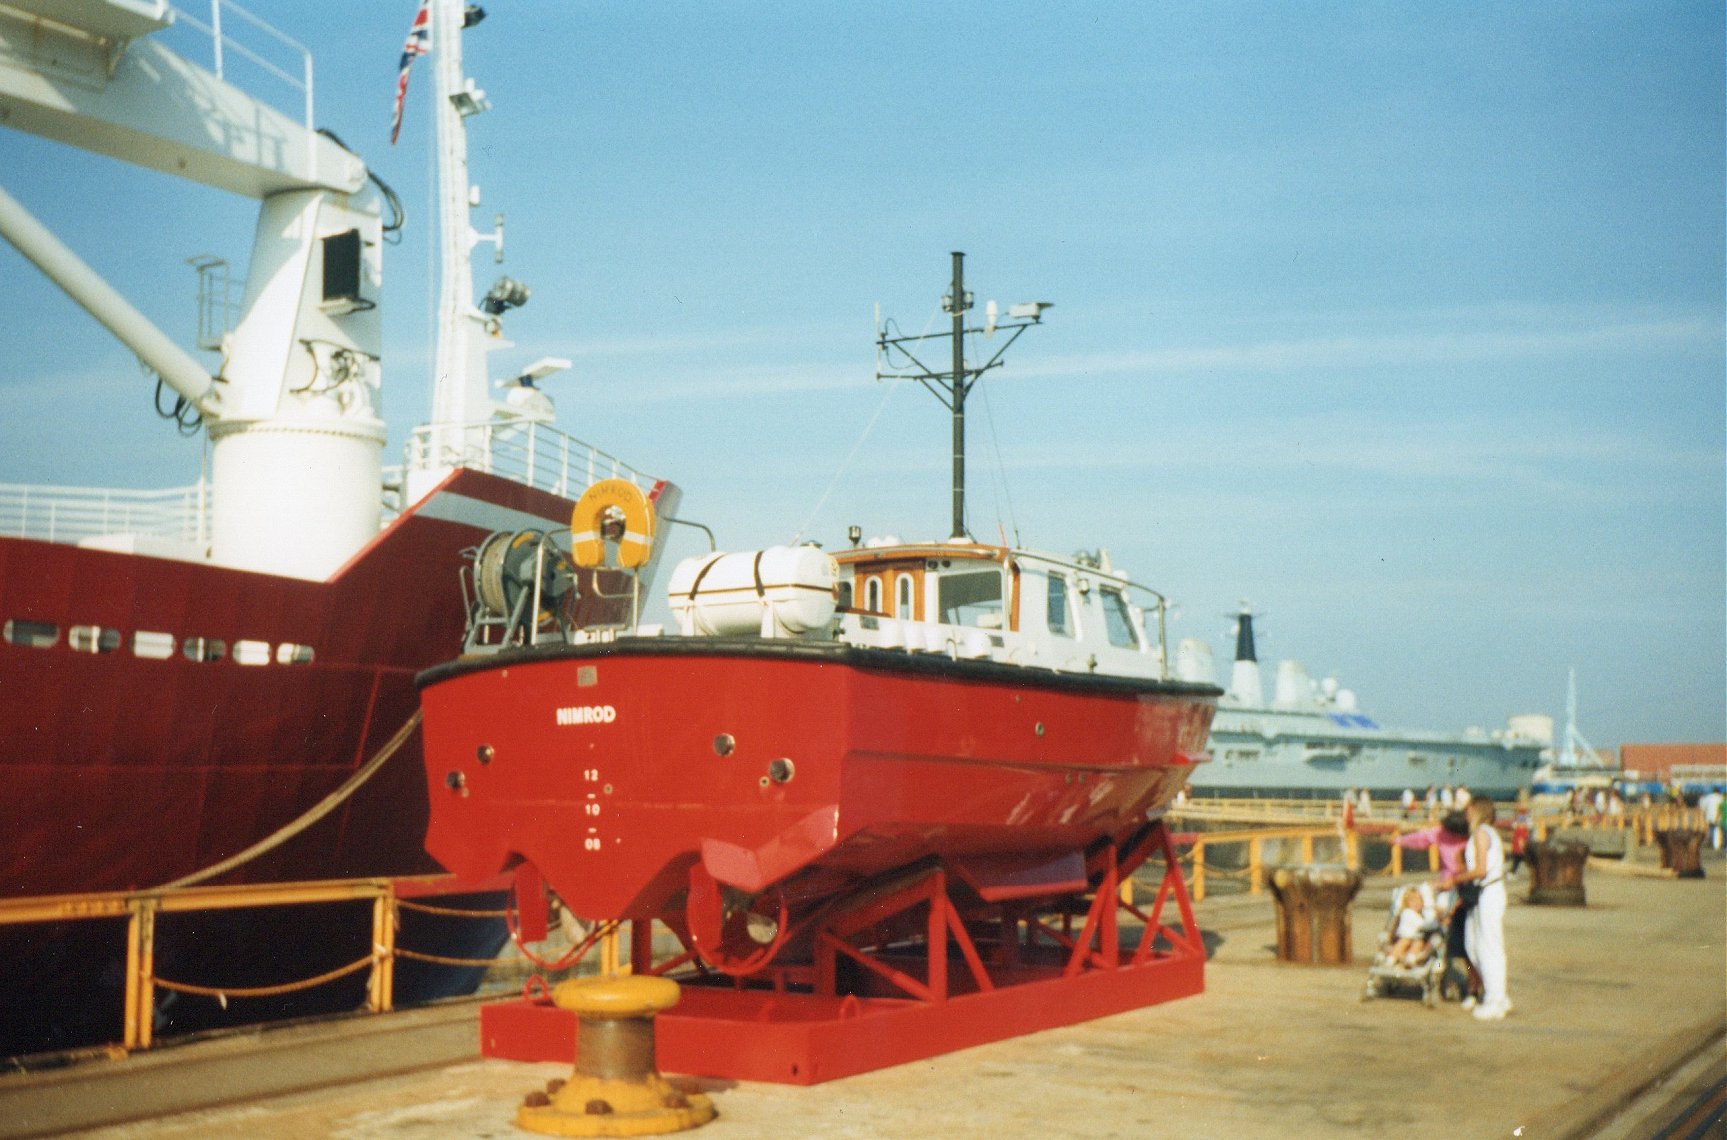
(223, 993)
(450, 911)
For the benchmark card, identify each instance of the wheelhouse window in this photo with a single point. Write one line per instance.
(1117, 618)
(902, 599)
(970, 597)
(1056, 615)
(872, 596)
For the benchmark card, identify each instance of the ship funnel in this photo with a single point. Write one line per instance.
(1193, 661)
(1294, 686)
(1244, 685)
(1244, 635)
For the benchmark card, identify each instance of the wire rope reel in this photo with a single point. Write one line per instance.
(505, 573)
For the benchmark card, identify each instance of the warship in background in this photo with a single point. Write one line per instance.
(1312, 739)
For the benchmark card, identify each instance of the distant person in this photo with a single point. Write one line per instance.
(1519, 839)
(1408, 801)
(1447, 801)
(1710, 803)
(1484, 931)
(1431, 800)
(1364, 801)
(1460, 798)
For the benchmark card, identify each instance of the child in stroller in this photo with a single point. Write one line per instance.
(1411, 947)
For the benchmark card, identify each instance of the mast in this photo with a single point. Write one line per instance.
(957, 304)
(896, 360)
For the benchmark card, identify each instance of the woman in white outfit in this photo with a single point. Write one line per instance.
(1484, 930)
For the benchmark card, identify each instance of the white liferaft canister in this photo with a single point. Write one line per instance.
(777, 591)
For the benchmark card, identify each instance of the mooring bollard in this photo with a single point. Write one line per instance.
(1682, 850)
(1556, 872)
(1313, 912)
(615, 1090)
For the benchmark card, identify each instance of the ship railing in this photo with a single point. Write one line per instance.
(291, 65)
(525, 451)
(73, 514)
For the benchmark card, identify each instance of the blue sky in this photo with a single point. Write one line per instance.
(1405, 323)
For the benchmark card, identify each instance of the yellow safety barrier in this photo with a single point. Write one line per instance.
(140, 909)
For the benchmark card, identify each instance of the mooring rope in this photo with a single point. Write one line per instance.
(323, 808)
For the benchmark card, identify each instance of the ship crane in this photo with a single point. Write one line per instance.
(292, 414)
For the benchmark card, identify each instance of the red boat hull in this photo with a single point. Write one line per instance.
(616, 768)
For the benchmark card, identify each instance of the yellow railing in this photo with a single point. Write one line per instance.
(1641, 822)
(140, 909)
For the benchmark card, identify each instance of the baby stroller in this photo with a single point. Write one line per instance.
(1388, 974)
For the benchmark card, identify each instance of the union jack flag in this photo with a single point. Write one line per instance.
(419, 43)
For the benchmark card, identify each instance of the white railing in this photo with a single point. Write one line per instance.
(72, 514)
(222, 43)
(532, 453)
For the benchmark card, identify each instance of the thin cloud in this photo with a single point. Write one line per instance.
(1400, 350)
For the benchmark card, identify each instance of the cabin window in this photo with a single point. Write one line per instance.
(204, 649)
(902, 601)
(32, 634)
(970, 598)
(93, 639)
(1117, 620)
(152, 646)
(1057, 611)
(872, 596)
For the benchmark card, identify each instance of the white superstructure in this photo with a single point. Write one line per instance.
(296, 483)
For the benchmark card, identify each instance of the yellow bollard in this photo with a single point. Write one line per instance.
(1255, 866)
(615, 1090)
(1198, 870)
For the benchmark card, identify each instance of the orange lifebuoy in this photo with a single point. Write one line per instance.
(635, 545)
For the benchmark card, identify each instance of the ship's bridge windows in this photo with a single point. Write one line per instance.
(152, 646)
(288, 653)
(204, 649)
(252, 652)
(872, 595)
(93, 639)
(1056, 611)
(970, 597)
(1117, 618)
(31, 634)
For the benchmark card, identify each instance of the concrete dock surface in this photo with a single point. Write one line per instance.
(1617, 1030)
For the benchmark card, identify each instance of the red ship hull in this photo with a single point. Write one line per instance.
(126, 772)
(616, 769)
(123, 772)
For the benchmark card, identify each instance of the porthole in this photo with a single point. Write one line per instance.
(31, 634)
(93, 639)
(252, 652)
(152, 646)
(204, 649)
